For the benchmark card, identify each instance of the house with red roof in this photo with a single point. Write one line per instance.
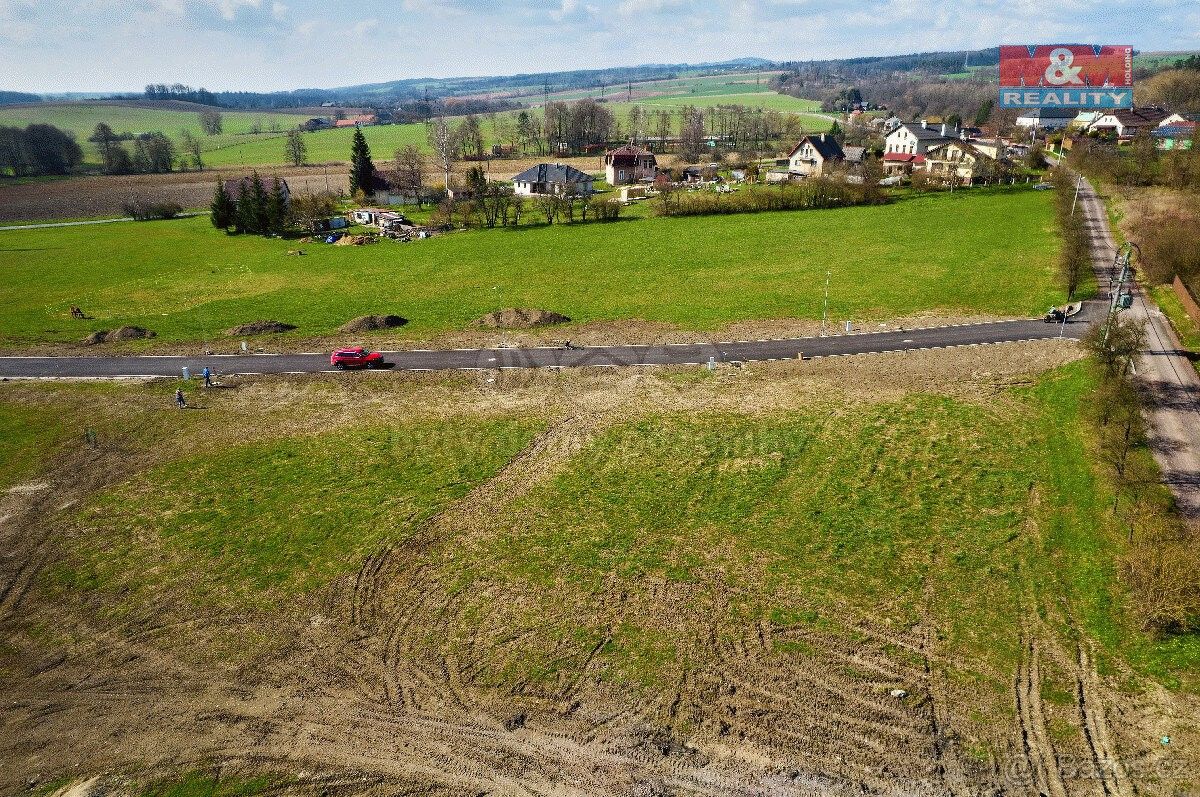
(362, 120)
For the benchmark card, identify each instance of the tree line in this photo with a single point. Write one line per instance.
(1075, 255)
(38, 149)
(256, 209)
(1167, 232)
(971, 101)
(178, 91)
(1160, 564)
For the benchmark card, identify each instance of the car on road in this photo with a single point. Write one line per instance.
(1060, 315)
(1043, 187)
(355, 357)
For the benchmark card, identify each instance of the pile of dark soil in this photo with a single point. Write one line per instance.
(370, 323)
(259, 328)
(121, 333)
(520, 318)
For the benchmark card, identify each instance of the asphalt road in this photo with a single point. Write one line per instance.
(592, 356)
(1171, 385)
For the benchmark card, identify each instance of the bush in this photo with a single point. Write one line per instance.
(809, 195)
(609, 210)
(1168, 244)
(147, 211)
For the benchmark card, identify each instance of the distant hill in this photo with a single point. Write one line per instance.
(17, 97)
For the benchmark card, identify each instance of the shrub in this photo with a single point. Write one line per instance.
(609, 210)
(809, 195)
(147, 211)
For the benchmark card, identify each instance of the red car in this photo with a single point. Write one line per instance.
(355, 357)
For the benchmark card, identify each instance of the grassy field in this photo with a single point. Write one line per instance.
(767, 100)
(237, 146)
(328, 506)
(895, 508)
(756, 556)
(694, 85)
(82, 118)
(968, 514)
(27, 435)
(970, 252)
(324, 146)
(1187, 329)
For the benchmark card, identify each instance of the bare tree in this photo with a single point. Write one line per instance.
(409, 165)
(190, 146)
(1115, 343)
(444, 142)
(294, 147)
(470, 136)
(211, 123)
(691, 134)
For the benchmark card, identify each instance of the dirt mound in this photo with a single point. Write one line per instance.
(355, 240)
(520, 318)
(121, 333)
(260, 328)
(370, 323)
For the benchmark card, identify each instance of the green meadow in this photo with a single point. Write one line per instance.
(976, 252)
(81, 119)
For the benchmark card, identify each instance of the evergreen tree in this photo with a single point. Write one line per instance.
(223, 210)
(251, 213)
(277, 209)
(260, 205)
(362, 170)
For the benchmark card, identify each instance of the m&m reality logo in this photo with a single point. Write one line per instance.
(1066, 75)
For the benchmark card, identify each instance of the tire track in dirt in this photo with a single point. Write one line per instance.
(1041, 763)
(1107, 768)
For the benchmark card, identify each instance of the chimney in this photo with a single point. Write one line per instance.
(943, 129)
(822, 136)
(924, 124)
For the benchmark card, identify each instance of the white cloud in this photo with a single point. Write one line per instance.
(108, 45)
(229, 8)
(574, 11)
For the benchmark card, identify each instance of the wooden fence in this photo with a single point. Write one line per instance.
(1187, 300)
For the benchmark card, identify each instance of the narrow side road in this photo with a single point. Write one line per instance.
(593, 356)
(1171, 382)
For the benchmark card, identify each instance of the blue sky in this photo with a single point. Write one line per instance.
(109, 45)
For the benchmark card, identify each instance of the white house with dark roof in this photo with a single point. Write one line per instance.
(1128, 122)
(813, 155)
(959, 161)
(1047, 118)
(915, 138)
(548, 179)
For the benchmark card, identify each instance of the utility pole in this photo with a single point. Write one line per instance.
(825, 308)
(1078, 180)
(1120, 300)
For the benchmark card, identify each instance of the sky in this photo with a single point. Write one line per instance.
(268, 45)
